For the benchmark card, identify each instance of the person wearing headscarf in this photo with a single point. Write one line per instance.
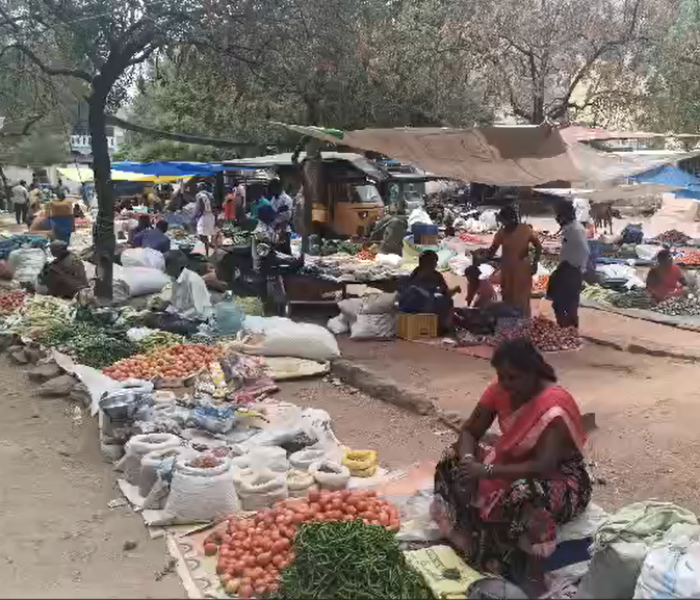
(515, 239)
(65, 276)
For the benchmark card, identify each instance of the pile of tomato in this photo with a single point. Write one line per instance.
(180, 360)
(254, 550)
(11, 301)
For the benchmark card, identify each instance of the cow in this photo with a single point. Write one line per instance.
(602, 215)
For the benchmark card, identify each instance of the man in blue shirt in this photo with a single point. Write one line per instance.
(154, 238)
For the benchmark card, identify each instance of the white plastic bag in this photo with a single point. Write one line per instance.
(377, 304)
(140, 445)
(647, 251)
(143, 257)
(190, 296)
(272, 458)
(27, 264)
(261, 489)
(672, 568)
(488, 219)
(151, 462)
(349, 309)
(330, 475)
(302, 460)
(300, 483)
(374, 327)
(419, 215)
(284, 337)
(338, 325)
(200, 495)
(141, 280)
(392, 260)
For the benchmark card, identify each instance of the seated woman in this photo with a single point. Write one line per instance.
(500, 504)
(426, 291)
(666, 279)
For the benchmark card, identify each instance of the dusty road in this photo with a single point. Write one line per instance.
(647, 409)
(60, 539)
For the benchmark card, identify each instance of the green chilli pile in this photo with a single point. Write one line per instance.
(348, 559)
(88, 344)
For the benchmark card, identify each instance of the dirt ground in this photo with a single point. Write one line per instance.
(60, 539)
(646, 408)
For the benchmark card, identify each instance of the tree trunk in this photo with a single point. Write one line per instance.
(6, 188)
(103, 231)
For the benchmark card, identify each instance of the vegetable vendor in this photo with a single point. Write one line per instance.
(666, 279)
(65, 276)
(564, 288)
(501, 503)
(154, 238)
(426, 291)
(515, 239)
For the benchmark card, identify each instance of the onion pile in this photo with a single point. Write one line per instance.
(11, 301)
(254, 550)
(547, 336)
(673, 236)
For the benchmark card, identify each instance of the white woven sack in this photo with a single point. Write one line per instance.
(200, 495)
(303, 459)
(149, 467)
(330, 475)
(262, 489)
(300, 483)
(273, 458)
(140, 445)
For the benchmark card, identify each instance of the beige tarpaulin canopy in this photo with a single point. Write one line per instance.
(517, 156)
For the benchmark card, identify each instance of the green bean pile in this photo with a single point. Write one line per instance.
(348, 559)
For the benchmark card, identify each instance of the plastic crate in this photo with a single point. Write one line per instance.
(410, 326)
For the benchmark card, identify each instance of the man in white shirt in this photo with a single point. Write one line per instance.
(583, 210)
(284, 206)
(20, 200)
(564, 288)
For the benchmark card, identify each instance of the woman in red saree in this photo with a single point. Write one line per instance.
(501, 504)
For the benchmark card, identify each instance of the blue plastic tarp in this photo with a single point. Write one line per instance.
(667, 175)
(170, 169)
(692, 192)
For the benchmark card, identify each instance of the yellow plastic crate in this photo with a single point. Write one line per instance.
(411, 326)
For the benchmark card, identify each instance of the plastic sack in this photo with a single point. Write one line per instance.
(349, 309)
(150, 464)
(303, 459)
(647, 251)
(377, 304)
(671, 569)
(140, 445)
(444, 257)
(27, 263)
(214, 419)
(299, 483)
(392, 260)
(417, 524)
(263, 458)
(143, 257)
(432, 562)
(141, 281)
(337, 325)
(284, 337)
(262, 489)
(201, 495)
(361, 463)
(190, 297)
(488, 220)
(621, 544)
(229, 316)
(330, 475)
(419, 215)
(373, 327)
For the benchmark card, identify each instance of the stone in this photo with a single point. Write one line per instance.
(34, 355)
(129, 545)
(42, 373)
(452, 418)
(58, 386)
(19, 357)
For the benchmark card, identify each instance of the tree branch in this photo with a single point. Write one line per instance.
(53, 71)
